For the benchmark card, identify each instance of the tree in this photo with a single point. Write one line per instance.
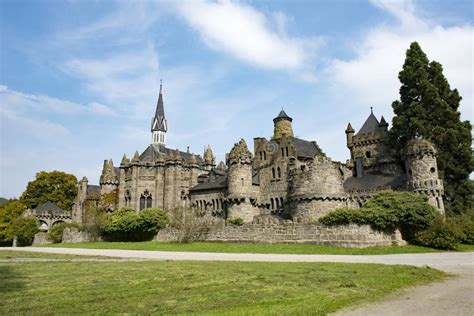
(9, 212)
(55, 186)
(24, 229)
(428, 108)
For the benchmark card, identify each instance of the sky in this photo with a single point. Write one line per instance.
(79, 80)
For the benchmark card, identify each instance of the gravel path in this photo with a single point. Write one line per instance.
(452, 297)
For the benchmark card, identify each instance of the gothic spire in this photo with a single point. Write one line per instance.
(159, 120)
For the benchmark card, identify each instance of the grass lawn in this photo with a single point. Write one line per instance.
(248, 248)
(197, 287)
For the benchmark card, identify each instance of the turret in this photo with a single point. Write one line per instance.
(241, 197)
(79, 202)
(349, 136)
(108, 180)
(159, 125)
(422, 171)
(282, 125)
(209, 159)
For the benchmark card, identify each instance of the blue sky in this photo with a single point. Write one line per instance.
(79, 80)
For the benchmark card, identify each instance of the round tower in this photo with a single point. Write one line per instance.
(282, 125)
(209, 159)
(422, 171)
(240, 191)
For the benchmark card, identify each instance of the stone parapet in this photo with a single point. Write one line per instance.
(289, 232)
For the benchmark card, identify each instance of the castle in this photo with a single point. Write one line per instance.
(285, 176)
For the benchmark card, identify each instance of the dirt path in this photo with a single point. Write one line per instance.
(452, 297)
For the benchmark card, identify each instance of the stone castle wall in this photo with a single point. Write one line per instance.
(346, 236)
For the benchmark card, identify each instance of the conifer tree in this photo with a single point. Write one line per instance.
(428, 108)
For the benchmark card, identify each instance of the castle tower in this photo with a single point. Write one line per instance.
(282, 125)
(350, 138)
(422, 171)
(241, 194)
(109, 179)
(79, 202)
(209, 159)
(159, 125)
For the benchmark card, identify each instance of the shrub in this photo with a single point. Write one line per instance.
(55, 234)
(128, 225)
(93, 221)
(388, 210)
(442, 235)
(191, 223)
(25, 229)
(237, 221)
(465, 222)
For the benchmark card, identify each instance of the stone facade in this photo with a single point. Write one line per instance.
(284, 176)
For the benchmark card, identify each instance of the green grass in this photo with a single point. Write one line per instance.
(246, 248)
(12, 254)
(198, 287)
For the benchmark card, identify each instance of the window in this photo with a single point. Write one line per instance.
(432, 170)
(128, 198)
(264, 155)
(368, 154)
(279, 172)
(145, 200)
(282, 152)
(286, 150)
(273, 203)
(273, 173)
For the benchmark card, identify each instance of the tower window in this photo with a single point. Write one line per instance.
(432, 170)
(279, 172)
(410, 172)
(286, 150)
(273, 173)
(368, 154)
(264, 155)
(283, 152)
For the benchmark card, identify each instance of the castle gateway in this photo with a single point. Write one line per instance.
(285, 176)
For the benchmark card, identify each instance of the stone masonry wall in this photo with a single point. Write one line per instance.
(346, 236)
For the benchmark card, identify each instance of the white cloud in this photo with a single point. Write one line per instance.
(243, 32)
(370, 78)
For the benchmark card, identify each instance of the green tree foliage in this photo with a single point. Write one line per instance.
(25, 229)
(428, 107)
(93, 221)
(55, 234)
(442, 235)
(127, 225)
(55, 186)
(388, 210)
(109, 201)
(9, 212)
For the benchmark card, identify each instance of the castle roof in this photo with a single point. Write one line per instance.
(305, 148)
(49, 207)
(282, 116)
(152, 151)
(370, 125)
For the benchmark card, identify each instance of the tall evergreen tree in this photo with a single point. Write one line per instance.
(428, 108)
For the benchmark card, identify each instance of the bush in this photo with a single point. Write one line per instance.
(388, 210)
(128, 225)
(237, 221)
(25, 229)
(465, 222)
(442, 235)
(55, 234)
(191, 223)
(93, 221)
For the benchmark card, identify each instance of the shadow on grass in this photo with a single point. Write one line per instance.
(11, 280)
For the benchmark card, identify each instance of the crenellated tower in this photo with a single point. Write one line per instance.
(109, 179)
(209, 159)
(241, 194)
(422, 171)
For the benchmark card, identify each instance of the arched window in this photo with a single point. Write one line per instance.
(213, 205)
(286, 150)
(273, 173)
(264, 155)
(128, 198)
(145, 200)
(282, 152)
(279, 172)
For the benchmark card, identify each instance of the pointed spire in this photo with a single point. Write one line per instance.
(383, 123)
(370, 125)
(371, 110)
(158, 122)
(136, 157)
(349, 128)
